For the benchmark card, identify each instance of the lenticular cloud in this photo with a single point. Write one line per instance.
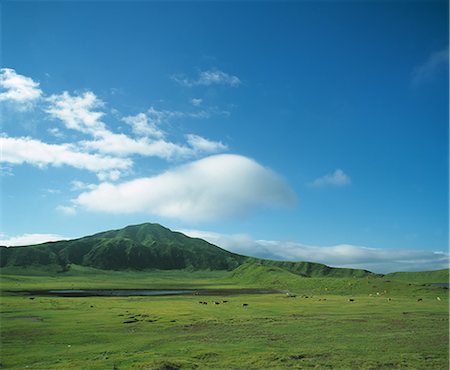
(215, 187)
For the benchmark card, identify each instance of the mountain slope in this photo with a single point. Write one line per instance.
(152, 246)
(313, 269)
(437, 276)
(134, 247)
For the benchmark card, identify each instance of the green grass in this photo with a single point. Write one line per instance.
(80, 277)
(275, 331)
(257, 275)
(438, 276)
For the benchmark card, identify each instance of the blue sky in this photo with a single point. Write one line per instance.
(288, 130)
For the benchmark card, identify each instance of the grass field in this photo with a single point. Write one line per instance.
(388, 330)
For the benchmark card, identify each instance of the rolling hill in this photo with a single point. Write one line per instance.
(152, 246)
(137, 247)
(437, 276)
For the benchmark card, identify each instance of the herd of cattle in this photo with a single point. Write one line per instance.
(217, 303)
(294, 296)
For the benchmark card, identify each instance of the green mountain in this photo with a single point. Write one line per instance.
(312, 269)
(138, 247)
(152, 246)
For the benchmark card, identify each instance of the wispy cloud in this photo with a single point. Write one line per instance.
(426, 71)
(78, 112)
(196, 102)
(30, 239)
(215, 187)
(67, 210)
(202, 145)
(56, 132)
(125, 146)
(18, 89)
(208, 78)
(37, 153)
(80, 185)
(343, 255)
(109, 154)
(337, 178)
(142, 126)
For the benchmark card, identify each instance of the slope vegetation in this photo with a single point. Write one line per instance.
(437, 276)
(152, 246)
(146, 246)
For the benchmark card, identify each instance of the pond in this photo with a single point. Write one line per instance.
(141, 292)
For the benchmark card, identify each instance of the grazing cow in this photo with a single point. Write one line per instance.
(389, 299)
(216, 302)
(244, 304)
(351, 300)
(205, 302)
(224, 301)
(419, 299)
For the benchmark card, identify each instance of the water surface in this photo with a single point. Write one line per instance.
(141, 292)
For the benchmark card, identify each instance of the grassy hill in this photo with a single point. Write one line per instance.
(148, 246)
(424, 277)
(137, 247)
(312, 269)
(265, 274)
(152, 246)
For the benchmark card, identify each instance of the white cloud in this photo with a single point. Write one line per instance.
(427, 70)
(215, 187)
(67, 210)
(208, 78)
(196, 102)
(52, 191)
(343, 255)
(56, 132)
(78, 112)
(79, 185)
(123, 145)
(141, 125)
(337, 178)
(158, 117)
(17, 88)
(200, 144)
(151, 142)
(37, 153)
(5, 171)
(30, 239)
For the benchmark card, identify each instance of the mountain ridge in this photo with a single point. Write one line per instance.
(152, 246)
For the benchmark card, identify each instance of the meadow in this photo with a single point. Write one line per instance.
(389, 324)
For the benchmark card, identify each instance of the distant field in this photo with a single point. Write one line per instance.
(403, 326)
